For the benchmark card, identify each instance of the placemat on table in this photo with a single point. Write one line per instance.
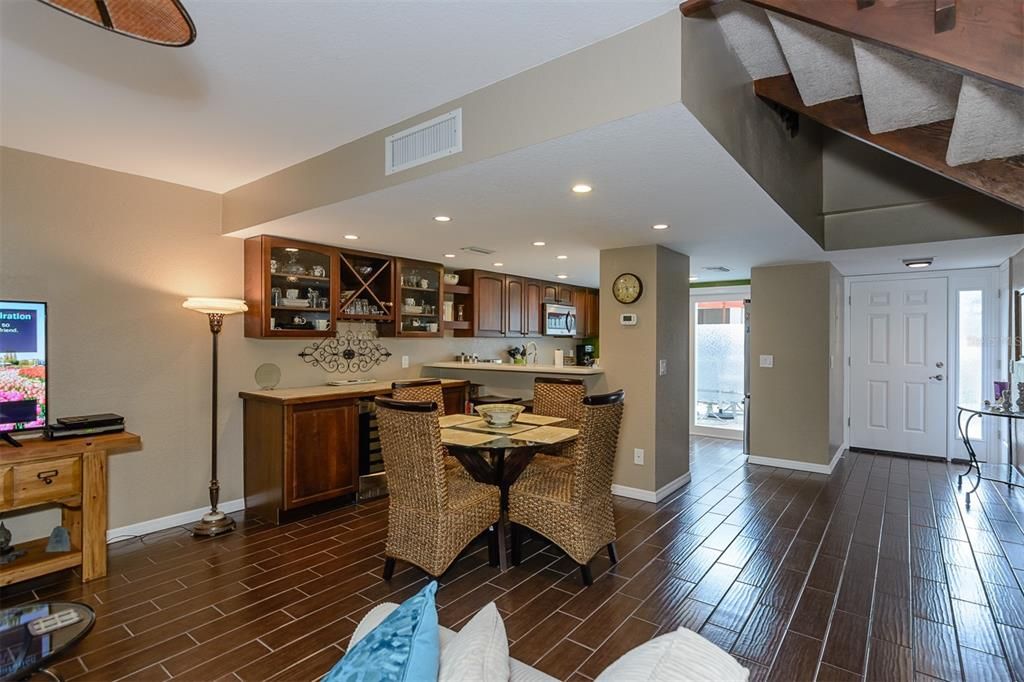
(538, 419)
(550, 434)
(481, 425)
(456, 419)
(466, 438)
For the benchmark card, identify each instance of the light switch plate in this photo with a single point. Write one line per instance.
(662, 367)
(767, 360)
(405, 362)
(638, 456)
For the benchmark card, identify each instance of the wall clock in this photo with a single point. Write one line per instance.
(627, 288)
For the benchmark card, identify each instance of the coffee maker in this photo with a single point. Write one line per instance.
(585, 354)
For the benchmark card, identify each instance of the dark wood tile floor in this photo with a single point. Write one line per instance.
(878, 572)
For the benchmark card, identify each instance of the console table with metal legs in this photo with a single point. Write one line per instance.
(1011, 477)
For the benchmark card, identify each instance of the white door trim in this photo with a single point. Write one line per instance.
(741, 292)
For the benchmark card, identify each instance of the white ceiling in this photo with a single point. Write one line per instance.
(660, 166)
(269, 83)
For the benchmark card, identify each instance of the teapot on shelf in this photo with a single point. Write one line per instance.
(298, 319)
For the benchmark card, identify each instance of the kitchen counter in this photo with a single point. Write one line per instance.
(533, 369)
(313, 394)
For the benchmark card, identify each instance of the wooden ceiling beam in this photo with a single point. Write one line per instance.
(692, 7)
(925, 145)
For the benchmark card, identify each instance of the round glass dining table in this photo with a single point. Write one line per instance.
(23, 653)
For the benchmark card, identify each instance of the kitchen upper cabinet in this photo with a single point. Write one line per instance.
(566, 294)
(533, 309)
(515, 306)
(550, 292)
(489, 304)
(588, 312)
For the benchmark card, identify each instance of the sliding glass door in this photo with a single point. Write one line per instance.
(718, 347)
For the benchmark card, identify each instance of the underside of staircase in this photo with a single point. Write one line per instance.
(939, 83)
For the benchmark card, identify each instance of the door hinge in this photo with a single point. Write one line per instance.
(848, 421)
(849, 300)
(849, 361)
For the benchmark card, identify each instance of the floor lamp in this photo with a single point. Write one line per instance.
(215, 521)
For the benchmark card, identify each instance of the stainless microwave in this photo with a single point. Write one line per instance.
(559, 320)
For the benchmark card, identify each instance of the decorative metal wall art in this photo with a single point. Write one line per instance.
(347, 351)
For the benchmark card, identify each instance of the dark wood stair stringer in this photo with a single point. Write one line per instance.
(924, 145)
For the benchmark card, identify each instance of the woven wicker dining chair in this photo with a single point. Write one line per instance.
(421, 390)
(572, 505)
(559, 397)
(433, 512)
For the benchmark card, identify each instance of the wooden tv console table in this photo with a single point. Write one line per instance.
(71, 473)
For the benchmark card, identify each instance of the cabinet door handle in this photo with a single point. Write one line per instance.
(47, 476)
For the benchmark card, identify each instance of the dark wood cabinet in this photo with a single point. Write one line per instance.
(593, 313)
(515, 306)
(566, 294)
(489, 303)
(322, 442)
(301, 445)
(550, 292)
(419, 290)
(533, 309)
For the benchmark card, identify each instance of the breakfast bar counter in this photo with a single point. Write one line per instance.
(503, 367)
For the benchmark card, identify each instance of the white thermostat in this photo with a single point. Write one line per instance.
(628, 319)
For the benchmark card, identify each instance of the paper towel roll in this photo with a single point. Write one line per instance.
(559, 357)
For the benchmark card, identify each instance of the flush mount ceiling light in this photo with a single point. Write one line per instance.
(498, 265)
(562, 257)
(562, 276)
(161, 22)
(918, 262)
(659, 226)
(351, 236)
(449, 255)
(581, 188)
(540, 243)
(442, 218)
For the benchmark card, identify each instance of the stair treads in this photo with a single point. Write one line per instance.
(821, 61)
(902, 91)
(989, 123)
(751, 37)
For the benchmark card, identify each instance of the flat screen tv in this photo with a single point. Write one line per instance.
(23, 394)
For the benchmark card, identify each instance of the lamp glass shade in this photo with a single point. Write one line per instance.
(221, 306)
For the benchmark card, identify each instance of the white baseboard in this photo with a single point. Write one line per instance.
(165, 522)
(648, 495)
(797, 466)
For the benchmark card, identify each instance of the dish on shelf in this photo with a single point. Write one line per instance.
(412, 309)
(451, 278)
(295, 302)
(364, 270)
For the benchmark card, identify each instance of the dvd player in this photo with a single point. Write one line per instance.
(91, 420)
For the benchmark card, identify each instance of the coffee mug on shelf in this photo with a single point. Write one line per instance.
(424, 284)
(319, 271)
(410, 301)
(322, 325)
(292, 293)
(298, 319)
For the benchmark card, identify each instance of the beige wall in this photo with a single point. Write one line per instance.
(115, 255)
(657, 408)
(672, 396)
(791, 413)
(837, 361)
(628, 73)
(717, 90)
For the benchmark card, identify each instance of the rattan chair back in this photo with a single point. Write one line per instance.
(420, 390)
(559, 397)
(410, 442)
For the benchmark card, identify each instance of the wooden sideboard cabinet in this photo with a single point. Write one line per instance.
(71, 474)
(301, 445)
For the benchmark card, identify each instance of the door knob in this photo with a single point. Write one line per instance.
(937, 377)
(940, 365)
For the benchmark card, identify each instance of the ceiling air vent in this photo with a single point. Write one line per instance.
(428, 141)
(477, 249)
(717, 268)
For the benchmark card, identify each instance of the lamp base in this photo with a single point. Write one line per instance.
(214, 523)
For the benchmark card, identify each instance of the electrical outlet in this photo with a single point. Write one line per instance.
(638, 456)
(405, 362)
(767, 360)
(662, 367)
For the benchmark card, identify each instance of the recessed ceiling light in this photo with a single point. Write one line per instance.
(660, 226)
(449, 255)
(540, 243)
(442, 218)
(562, 257)
(581, 188)
(498, 265)
(918, 262)
(562, 276)
(351, 236)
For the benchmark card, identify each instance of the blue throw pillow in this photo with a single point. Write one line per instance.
(405, 647)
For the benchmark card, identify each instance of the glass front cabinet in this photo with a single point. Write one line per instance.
(419, 300)
(290, 287)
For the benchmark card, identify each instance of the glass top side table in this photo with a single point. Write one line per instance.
(23, 653)
(1007, 473)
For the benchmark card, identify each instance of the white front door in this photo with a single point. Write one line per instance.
(898, 366)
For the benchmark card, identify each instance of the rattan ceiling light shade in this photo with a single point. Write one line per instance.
(163, 22)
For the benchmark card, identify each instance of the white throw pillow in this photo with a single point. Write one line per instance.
(478, 652)
(680, 656)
